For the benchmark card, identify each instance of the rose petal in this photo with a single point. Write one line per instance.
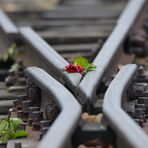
(73, 68)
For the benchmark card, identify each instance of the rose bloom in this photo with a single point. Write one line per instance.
(73, 68)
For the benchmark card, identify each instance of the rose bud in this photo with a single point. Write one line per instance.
(73, 68)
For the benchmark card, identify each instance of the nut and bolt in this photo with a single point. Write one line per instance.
(142, 106)
(143, 100)
(23, 115)
(17, 105)
(37, 116)
(35, 126)
(140, 70)
(26, 105)
(20, 114)
(138, 113)
(44, 123)
(51, 111)
(10, 79)
(22, 98)
(135, 91)
(31, 110)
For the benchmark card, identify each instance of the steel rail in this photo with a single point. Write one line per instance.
(44, 55)
(110, 52)
(65, 123)
(7, 25)
(51, 61)
(129, 133)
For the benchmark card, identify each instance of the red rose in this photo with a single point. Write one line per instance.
(73, 68)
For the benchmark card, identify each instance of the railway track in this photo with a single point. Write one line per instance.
(130, 132)
(74, 30)
(47, 106)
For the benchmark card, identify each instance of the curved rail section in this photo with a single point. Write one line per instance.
(51, 61)
(110, 53)
(64, 125)
(124, 126)
(7, 25)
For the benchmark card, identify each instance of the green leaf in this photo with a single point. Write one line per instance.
(15, 123)
(11, 53)
(81, 61)
(8, 129)
(20, 134)
(3, 126)
(6, 136)
(90, 67)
